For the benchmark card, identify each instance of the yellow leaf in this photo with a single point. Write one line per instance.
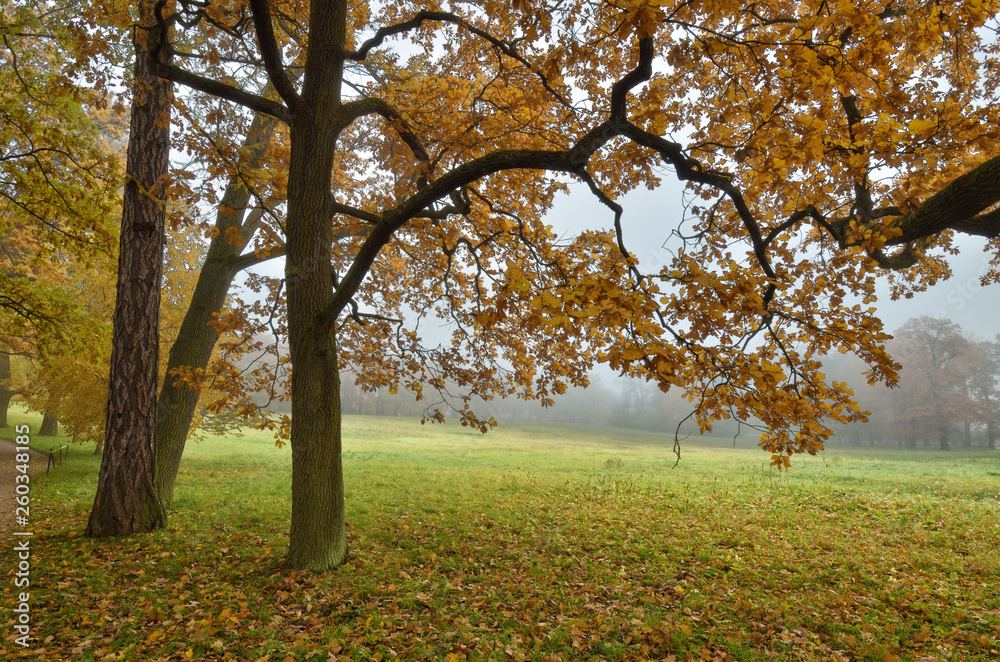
(919, 126)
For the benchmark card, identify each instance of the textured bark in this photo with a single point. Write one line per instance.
(318, 538)
(127, 501)
(5, 392)
(197, 338)
(958, 206)
(193, 347)
(50, 426)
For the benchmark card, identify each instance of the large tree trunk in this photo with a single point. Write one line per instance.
(945, 446)
(318, 539)
(197, 338)
(127, 501)
(967, 440)
(50, 426)
(5, 391)
(193, 347)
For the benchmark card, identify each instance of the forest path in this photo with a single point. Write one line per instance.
(8, 480)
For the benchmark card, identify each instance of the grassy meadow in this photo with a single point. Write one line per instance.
(534, 542)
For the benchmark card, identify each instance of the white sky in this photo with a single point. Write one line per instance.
(651, 215)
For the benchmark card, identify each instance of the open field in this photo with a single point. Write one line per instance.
(535, 542)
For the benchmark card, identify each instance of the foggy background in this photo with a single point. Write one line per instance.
(649, 218)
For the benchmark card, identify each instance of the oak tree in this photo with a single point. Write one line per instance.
(829, 142)
(239, 216)
(932, 397)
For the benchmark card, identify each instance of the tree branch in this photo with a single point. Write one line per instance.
(251, 259)
(689, 169)
(447, 17)
(271, 53)
(355, 110)
(572, 160)
(360, 214)
(225, 91)
(216, 88)
(958, 206)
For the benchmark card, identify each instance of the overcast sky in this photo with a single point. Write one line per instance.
(651, 215)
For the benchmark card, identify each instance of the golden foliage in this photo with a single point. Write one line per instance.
(820, 142)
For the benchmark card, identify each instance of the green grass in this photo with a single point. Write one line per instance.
(535, 542)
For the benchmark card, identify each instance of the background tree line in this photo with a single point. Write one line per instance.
(947, 393)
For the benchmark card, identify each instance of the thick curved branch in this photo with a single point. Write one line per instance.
(642, 73)
(355, 110)
(792, 221)
(211, 86)
(618, 211)
(573, 160)
(271, 53)
(903, 259)
(229, 92)
(248, 260)
(570, 161)
(686, 168)
(360, 214)
(689, 169)
(958, 206)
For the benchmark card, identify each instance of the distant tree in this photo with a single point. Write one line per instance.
(875, 398)
(6, 390)
(640, 405)
(984, 386)
(932, 396)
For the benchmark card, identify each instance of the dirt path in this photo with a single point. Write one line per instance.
(8, 471)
